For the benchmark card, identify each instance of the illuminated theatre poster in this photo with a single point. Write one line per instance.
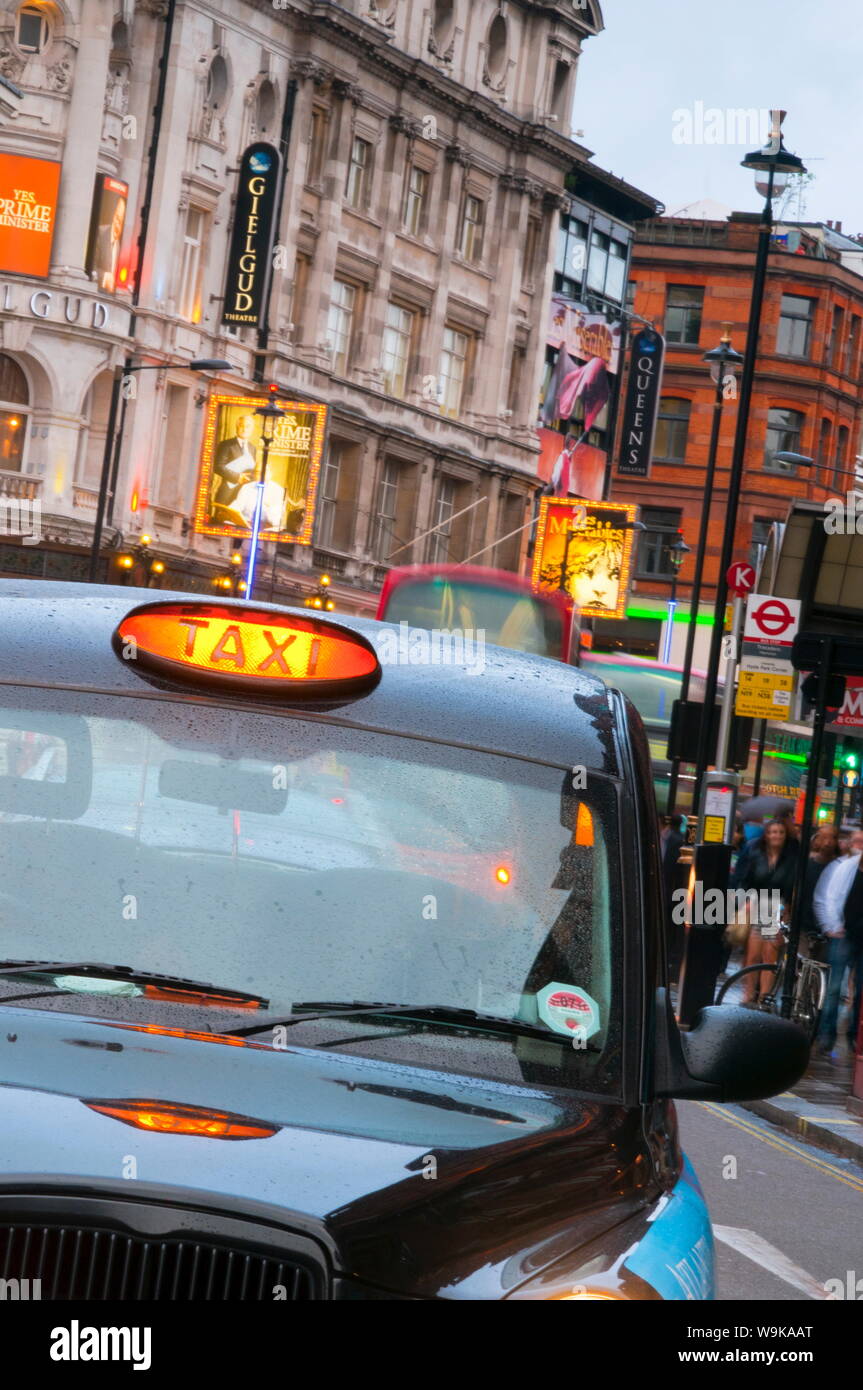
(593, 541)
(231, 464)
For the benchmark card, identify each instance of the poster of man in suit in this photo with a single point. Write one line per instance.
(106, 232)
(232, 468)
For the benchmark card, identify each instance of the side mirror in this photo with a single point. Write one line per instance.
(731, 1054)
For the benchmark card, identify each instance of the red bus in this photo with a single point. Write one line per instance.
(504, 606)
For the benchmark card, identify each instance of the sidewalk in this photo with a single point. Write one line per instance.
(815, 1110)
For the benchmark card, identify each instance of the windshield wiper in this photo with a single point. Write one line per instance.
(448, 1014)
(230, 998)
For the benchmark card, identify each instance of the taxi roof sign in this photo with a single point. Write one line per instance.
(246, 649)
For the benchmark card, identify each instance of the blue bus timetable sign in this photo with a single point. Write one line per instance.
(646, 360)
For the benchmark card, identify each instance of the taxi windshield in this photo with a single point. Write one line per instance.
(298, 860)
(509, 618)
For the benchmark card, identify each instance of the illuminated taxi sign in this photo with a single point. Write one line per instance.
(247, 649)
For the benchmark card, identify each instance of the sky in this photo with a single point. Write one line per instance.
(656, 59)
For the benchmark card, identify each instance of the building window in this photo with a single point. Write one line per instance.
(795, 326)
(453, 370)
(32, 33)
(328, 496)
(340, 324)
(385, 511)
(661, 531)
(470, 235)
(359, 168)
(835, 344)
(439, 540)
(631, 288)
(14, 393)
(531, 243)
(265, 107)
(302, 270)
(191, 266)
(398, 336)
(415, 200)
(840, 458)
(317, 145)
(606, 267)
(672, 428)
(683, 313)
(571, 257)
(784, 428)
(852, 345)
(217, 84)
(616, 273)
(760, 536)
(824, 444)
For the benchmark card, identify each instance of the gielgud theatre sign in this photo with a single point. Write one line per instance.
(250, 259)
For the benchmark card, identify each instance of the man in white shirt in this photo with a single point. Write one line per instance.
(837, 905)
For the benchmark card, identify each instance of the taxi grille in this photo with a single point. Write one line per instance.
(73, 1262)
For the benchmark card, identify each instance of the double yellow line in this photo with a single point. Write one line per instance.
(783, 1145)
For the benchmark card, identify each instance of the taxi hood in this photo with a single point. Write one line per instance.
(422, 1182)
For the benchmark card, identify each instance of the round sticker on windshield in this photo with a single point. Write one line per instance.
(568, 1009)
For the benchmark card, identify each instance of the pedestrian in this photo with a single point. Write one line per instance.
(771, 867)
(752, 833)
(838, 908)
(824, 848)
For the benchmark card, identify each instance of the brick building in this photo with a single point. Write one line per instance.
(690, 277)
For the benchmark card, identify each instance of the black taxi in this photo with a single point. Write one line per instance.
(332, 967)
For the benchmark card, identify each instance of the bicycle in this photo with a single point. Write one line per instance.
(810, 987)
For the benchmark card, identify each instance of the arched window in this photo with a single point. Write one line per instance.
(217, 83)
(32, 29)
(14, 414)
(442, 22)
(265, 113)
(497, 37)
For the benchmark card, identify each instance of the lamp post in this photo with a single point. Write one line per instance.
(724, 361)
(114, 442)
(231, 583)
(269, 414)
(139, 553)
(773, 166)
(677, 553)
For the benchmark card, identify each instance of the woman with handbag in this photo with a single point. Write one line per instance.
(771, 870)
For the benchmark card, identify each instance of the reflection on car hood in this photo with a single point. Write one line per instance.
(426, 1182)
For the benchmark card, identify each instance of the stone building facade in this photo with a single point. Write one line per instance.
(426, 153)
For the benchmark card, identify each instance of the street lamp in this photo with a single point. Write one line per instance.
(319, 598)
(114, 441)
(778, 164)
(724, 361)
(269, 414)
(713, 861)
(140, 554)
(677, 553)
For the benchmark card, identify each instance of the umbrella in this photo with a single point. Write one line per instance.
(763, 807)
